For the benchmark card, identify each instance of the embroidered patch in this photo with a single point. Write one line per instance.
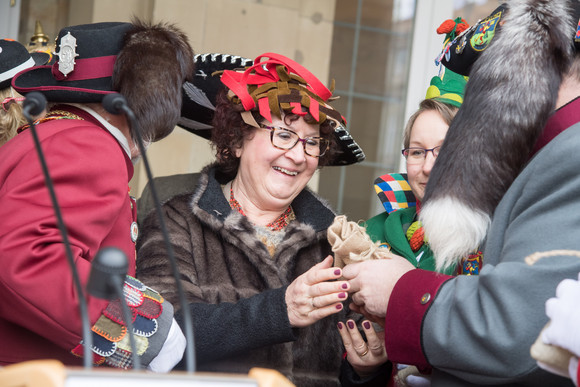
(133, 297)
(484, 32)
(142, 343)
(152, 294)
(149, 308)
(102, 346)
(109, 329)
(120, 359)
(471, 265)
(144, 327)
(115, 313)
(394, 192)
(79, 351)
(134, 282)
(111, 343)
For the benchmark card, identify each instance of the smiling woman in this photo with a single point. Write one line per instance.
(250, 239)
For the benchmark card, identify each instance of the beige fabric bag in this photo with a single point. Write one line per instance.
(350, 243)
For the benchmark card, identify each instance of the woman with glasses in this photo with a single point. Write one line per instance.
(398, 228)
(250, 240)
(422, 139)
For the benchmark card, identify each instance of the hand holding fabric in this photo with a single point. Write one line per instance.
(350, 243)
(372, 282)
(315, 294)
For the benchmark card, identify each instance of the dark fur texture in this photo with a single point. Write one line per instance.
(236, 289)
(150, 70)
(511, 92)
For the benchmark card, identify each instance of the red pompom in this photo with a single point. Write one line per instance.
(461, 27)
(446, 27)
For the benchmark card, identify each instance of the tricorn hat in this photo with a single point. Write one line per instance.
(199, 95)
(269, 82)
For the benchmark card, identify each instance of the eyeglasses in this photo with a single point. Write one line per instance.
(9, 101)
(287, 139)
(418, 155)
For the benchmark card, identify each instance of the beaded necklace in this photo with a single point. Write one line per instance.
(279, 224)
(53, 115)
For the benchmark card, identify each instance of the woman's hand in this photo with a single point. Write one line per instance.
(314, 295)
(365, 357)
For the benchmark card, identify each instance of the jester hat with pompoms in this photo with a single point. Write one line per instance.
(276, 84)
(448, 86)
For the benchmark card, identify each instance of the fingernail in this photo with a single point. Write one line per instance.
(342, 295)
(339, 306)
(350, 324)
(345, 285)
(367, 325)
(339, 325)
(337, 272)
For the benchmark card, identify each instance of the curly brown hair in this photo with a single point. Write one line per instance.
(230, 130)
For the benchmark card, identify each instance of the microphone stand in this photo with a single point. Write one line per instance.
(34, 104)
(106, 281)
(115, 104)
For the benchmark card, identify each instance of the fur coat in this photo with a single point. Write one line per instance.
(236, 289)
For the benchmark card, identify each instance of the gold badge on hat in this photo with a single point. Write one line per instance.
(67, 54)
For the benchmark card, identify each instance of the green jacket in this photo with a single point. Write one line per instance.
(392, 229)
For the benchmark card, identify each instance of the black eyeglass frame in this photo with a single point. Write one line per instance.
(324, 143)
(405, 151)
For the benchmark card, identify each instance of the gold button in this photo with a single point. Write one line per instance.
(426, 298)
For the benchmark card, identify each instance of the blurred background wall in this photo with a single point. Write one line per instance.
(380, 53)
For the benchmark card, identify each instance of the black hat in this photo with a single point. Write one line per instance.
(14, 58)
(84, 68)
(199, 96)
(146, 63)
(460, 54)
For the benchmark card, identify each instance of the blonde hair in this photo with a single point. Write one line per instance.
(446, 111)
(12, 119)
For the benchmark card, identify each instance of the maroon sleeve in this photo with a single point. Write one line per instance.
(91, 181)
(410, 300)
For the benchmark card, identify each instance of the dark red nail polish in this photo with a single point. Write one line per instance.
(339, 325)
(337, 272)
(345, 285)
(339, 306)
(350, 324)
(341, 295)
(367, 325)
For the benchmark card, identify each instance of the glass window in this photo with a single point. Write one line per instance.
(370, 61)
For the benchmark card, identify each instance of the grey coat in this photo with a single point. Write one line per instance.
(237, 290)
(479, 329)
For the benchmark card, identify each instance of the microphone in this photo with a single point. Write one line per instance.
(115, 103)
(34, 104)
(106, 281)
